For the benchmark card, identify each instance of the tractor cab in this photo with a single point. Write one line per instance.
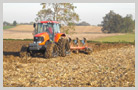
(51, 27)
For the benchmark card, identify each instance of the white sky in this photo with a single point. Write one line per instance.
(89, 12)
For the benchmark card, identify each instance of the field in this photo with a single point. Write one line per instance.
(7, 27)
(111, 64)
(25, 32)
(118, 38)
(19, 32)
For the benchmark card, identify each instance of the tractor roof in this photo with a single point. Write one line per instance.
(49, 22)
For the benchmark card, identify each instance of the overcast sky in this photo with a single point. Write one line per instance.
(89, 12)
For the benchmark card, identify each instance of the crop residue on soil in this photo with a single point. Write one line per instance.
(110, 65)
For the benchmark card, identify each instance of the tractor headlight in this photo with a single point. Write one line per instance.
(38, 39)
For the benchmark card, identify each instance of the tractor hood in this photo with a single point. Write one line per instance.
(44, 37)
(44, 34)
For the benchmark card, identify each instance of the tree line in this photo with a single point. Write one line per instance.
(115, 23)
(5, 23)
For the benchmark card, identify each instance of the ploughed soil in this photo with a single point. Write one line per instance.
(110, 65)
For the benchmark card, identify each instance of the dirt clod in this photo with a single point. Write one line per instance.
(109, 65)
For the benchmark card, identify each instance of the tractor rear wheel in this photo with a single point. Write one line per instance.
(62, 47)
(51, 50)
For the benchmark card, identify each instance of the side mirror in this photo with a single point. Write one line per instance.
(34, 25)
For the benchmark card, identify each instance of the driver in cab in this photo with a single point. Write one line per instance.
(49, 29)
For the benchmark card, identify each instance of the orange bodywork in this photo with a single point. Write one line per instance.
(45, 35)
(57, 36)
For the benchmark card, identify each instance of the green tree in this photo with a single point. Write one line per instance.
(5, 23)
(61, 12)
(83, 23)
(128, 24)
(44, 14)
(14, 23)
(115, 23)
(111, 22)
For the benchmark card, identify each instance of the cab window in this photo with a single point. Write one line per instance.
(40, 27)
(56, 28)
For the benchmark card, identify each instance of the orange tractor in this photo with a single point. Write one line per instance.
(51, 43)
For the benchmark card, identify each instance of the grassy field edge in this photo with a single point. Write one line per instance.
(8, 27)
(19, 39)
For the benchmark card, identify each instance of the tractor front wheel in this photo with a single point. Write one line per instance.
(51, 50)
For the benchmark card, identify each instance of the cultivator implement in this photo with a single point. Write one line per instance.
(79, 46)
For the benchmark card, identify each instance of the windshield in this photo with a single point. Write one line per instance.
(40, 28)
(48, 27)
